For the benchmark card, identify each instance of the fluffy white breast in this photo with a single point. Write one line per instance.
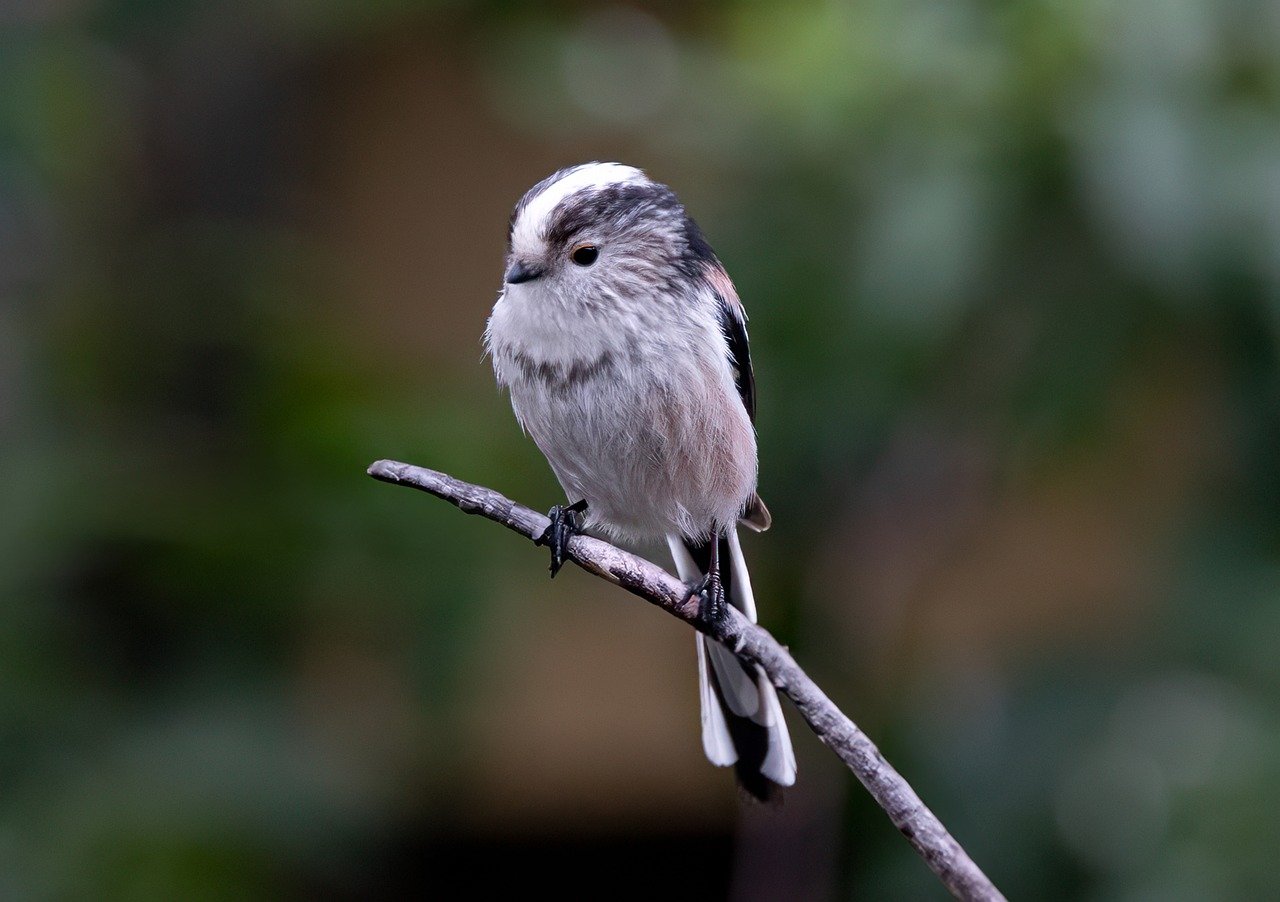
(530, 320)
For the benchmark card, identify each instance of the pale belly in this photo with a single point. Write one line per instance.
(650, 457)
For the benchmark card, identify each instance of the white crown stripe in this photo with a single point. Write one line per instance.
(532, 221)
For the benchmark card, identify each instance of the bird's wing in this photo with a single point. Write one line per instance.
(733, 323)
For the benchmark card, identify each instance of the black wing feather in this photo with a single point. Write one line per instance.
(734, 327)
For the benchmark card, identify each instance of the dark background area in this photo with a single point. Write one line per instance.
(1013, 271)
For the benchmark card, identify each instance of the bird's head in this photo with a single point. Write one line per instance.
(598, 235)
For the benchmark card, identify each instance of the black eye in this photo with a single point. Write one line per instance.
(584, 254)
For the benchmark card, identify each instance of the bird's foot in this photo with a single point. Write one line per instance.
(710, 594)
(564, 526)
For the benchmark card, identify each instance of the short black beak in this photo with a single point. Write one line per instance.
(521, 272)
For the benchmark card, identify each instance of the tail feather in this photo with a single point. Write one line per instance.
(742, 721)
(717, 742)
(737, 685)
(779, 763)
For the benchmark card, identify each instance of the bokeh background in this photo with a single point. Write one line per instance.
(1013, 270)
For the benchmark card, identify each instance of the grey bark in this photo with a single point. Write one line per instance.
(750, 642)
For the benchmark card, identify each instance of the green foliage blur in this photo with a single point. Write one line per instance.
(1013, 271)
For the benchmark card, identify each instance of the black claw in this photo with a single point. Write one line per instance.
(710, 589)
(564, 526)
(710, 594)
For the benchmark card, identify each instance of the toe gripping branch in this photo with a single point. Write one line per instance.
(564, 526)
(710, 589)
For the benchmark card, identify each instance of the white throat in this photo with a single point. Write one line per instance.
(529, 319)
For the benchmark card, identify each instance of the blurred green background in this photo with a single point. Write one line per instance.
(1013, 268)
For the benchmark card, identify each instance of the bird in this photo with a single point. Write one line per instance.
(622, 343)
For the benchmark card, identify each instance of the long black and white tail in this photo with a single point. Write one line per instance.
(742, 720)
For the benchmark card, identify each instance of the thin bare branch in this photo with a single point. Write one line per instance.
(753, 644)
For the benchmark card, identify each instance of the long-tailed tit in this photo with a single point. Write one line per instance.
(624, 346)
